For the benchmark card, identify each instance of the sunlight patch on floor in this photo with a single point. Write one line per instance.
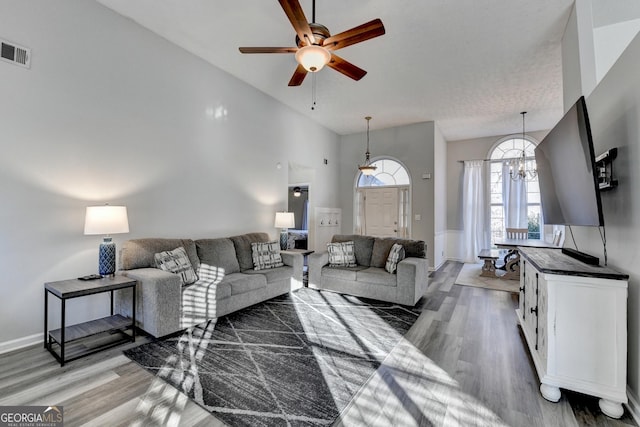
(409, 389)
(163, 404)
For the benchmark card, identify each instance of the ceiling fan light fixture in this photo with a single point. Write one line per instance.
(313, 57)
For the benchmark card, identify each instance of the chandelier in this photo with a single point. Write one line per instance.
(367, 168)
(525, 169)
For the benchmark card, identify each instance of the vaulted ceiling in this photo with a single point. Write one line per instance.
(471, 66)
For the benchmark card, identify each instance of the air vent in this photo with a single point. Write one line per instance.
(18, 55)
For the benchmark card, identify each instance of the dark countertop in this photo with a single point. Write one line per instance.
(553, 261)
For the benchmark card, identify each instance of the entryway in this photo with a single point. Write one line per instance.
(382, 207)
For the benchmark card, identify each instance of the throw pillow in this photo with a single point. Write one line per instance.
(341, 254)
(176, 261)
(395, 256)
(266, 255)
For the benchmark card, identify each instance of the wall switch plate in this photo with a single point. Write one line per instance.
(418, 217)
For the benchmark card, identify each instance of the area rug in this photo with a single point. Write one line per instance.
(294, 360)
(470, 276)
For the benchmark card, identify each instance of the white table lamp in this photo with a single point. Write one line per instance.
(284, 220)
(106, 220)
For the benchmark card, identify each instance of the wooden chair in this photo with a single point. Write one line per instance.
(517, 233)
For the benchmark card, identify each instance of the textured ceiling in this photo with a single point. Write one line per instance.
(471, 66)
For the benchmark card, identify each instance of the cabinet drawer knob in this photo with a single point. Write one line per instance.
(534, 310)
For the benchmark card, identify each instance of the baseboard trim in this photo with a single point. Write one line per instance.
(633, 405)
(17, 344)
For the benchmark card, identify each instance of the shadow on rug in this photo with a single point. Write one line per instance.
(294, 360)
(470, 276)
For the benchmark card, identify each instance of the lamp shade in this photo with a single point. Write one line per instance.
(285, 220)
(313, 57)
(106, 220)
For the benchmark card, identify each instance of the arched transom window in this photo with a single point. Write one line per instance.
(388, 172)
(511, 148)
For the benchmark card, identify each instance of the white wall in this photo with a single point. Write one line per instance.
(109, 112)
(412, 145)
(578, 54)
(439, 198)
(610, 41)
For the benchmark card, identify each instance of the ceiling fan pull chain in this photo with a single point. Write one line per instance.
(313, 91)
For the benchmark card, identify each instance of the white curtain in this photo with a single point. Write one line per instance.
(359, 226)
(474, 210)
(514, 196)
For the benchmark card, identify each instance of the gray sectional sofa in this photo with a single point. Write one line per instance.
(227, 281)
(369, 278)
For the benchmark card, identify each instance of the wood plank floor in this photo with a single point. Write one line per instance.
(463, 363)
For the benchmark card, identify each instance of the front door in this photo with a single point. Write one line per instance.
(381, 212)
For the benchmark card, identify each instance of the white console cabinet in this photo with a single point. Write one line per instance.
(574, 319)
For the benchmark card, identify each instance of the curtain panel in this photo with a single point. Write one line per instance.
(514, 197)
(474, 210)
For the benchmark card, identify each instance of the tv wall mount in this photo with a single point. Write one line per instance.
(604, 163)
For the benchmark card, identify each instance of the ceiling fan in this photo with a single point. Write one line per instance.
(315, 44)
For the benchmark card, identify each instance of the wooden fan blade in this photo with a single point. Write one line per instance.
(296, 16)
(346, 68)
(298, 76)
(268, 49)
(355, 35)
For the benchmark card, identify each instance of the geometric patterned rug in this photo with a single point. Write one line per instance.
(296, 360)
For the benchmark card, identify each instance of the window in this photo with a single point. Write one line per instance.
(388, 172)
(511, 148)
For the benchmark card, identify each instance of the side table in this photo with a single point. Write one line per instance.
(305, 269)
(74, 288)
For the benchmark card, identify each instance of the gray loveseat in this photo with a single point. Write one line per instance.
(369, 278)
(227, 281)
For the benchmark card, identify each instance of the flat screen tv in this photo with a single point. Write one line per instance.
(567, 172)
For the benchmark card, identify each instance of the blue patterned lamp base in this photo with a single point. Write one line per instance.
(107, 258)
(284, 237)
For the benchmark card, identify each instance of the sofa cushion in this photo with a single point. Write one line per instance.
(363, 246)
(413, 248)
(341, 254)
(342, 273)
(177, 262)
(381, 248)
(243, 248)
(139, 253)
(220, 253)
(241, 283)
(274, 274)
(266, 255)
(396, 254)
(377, 276)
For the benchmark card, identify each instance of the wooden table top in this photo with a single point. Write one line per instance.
(76, 288)
(529, 243)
